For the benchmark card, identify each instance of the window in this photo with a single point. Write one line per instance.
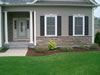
(50, 25)
(78, 26)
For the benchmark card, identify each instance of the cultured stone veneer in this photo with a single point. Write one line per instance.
(65, 40)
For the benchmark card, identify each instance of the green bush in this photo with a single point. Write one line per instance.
(84, 47)
(94, 46)
(67, 48)
(4, 48)
(97, 38)
(52, 45)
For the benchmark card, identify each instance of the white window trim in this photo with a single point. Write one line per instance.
(46, 24)
(74, 25)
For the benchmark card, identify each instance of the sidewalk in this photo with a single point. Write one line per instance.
(15, 52)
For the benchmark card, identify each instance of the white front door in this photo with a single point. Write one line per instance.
(21, 29)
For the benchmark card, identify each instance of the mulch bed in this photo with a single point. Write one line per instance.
(32, 52)
(3, 51)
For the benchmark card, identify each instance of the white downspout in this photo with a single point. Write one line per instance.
(0, 26)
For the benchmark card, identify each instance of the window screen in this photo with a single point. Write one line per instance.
(50, 25)
(78, 25)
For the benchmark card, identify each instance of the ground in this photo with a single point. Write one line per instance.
(79, 63)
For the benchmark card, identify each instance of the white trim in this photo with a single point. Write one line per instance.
(32, 2)
(50, 15)
(93, 35)
(0, 26)
(31, 27)
(6, 27)
(83, 17)
(35, 28)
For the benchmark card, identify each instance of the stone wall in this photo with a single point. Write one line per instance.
(65, 40)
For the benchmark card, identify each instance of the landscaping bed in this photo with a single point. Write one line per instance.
(2, 51)
(38, 52)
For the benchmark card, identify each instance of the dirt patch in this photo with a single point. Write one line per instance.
(33, 52)
(3, 51)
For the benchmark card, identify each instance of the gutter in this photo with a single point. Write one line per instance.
(50, 5)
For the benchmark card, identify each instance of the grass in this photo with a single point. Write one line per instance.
(87, 63)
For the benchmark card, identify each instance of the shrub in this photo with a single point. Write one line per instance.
(67, 48)
(41, 49)
(84, 47)
(94, 46)
(52, 45)
(97, 38)
(4, 48)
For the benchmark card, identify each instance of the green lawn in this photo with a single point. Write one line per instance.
(87, 63)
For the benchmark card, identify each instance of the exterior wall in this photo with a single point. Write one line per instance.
(65, 12)
(59, 11)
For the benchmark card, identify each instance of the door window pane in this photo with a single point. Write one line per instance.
(21, 26)
(15, 24)
(27, 24)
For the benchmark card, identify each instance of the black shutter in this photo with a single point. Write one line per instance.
(59, 25)
(86, 25)
(42, 26)
(70, 25)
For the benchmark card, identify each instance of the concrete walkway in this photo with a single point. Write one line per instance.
(15, 52)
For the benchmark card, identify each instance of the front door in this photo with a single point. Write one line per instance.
(22, 29)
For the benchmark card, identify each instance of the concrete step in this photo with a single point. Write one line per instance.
(20, 45)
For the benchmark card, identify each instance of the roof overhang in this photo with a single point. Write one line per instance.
(94, 2)
(36, 3)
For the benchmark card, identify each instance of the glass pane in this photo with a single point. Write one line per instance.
(15, 24)
(78, 25)
(21, 26)
(27, 24)
(50, 25)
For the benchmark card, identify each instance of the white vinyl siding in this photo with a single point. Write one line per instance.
(50, 25)
(78, 26)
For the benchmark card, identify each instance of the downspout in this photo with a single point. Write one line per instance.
(1, 24)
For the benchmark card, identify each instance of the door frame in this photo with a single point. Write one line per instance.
(13, 27)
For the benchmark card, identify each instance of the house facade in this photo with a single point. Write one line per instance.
(35, 22)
